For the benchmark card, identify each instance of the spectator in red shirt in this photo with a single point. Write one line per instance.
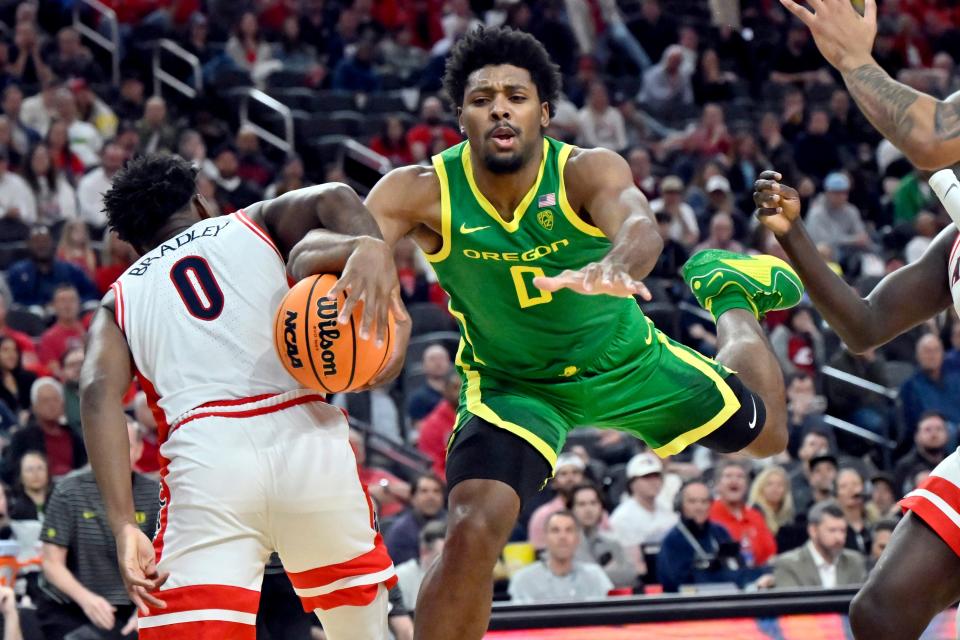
(28, 350)
(46, 433)
(436, 428)
(423, 137)
(390, 492)
(115, 258)
(745, 524)
(392, 142)
(149, 460)
(68, 331)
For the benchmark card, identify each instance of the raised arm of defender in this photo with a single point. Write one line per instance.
(927, 130)
(862, 323)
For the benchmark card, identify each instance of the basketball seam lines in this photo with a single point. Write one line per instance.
(307, 335)
(353, 353)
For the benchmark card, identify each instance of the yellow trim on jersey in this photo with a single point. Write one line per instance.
(572, 216)
(513, 224)
(445, 213)
(730, 402)
(466, 334)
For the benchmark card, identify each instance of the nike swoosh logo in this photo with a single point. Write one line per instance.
(753, 421)
(465, 229)
(952, 187)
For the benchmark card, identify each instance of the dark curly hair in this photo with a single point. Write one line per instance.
(501, 45)
(145, 193)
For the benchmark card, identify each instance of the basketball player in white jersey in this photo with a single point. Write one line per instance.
(918, 575)
(251, 462)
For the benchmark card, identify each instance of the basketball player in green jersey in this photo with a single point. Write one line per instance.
(542, 247)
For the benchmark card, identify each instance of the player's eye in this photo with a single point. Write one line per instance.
(518, 98)
(479, 101)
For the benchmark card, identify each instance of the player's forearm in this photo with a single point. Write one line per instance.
(924, 128)
(108, 447)
(840, 306)
(636, 246)
(323, 251)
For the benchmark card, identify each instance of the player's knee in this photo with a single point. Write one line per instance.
(477, 532)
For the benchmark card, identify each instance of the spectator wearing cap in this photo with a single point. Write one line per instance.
(601, 124)
(822, 481)
(720, 199)
(16, 198)
(94, 184)
(410, 573)
(156, 132)
(929, 449)
(567, 475)
(559, 576)
(834, 221)
(34, 279)
(596, 542)
(233, 192)
(426, 505)
(640, 520)
(92, 109)
(683, 225)
(823, 561)
(745, 524)
(721, 231)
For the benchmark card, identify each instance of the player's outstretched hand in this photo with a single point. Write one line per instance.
(138, 568)
(778, 206)
(370, 275)
(844, 37)
(594, 279)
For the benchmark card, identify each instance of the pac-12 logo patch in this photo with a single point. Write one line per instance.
(545, 218)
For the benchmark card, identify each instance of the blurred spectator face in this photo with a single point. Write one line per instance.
(436, 361)
(427, 497)
(931, 434)
(925, 225)
(881, 539)
(199, 30)
(430, 552)
(113, 159)
(599, 99)
(929, 353)
(732, 485)
(142, 412)
(9, 354)
(395, 130)
(819, 123)
(12, 101)
(431, 111)
(227, 163)
(721, 227)
(247, 143)
(672, 198)
(646, 487)
(68, 43)
(40, 161)
(247, 27)
(839, 103)
(26, 12)
(66, 105)
(33, 472)
(293, 170)
(366, 50)
(850, 489)
(769, 125)
(451, 392)
(5, 132)
(689, 38)
(823, 476)
(155, 111)
(136, 442)
(191, 146)
(587, 508)
(774, 489)
(40, 245)
(72, 364)
(129, 141)
(747, 146)
(25, 35)
(66, 305)
(882, 496)
(797, 37)
(695, 502)
(674, 58)
(49, 404)
(563, 537)
(639, 163)
(131, 90)
(829, 536)
(800, 388)
(291, 29)
(944, 62)
(567, 477)
(651, 10)
(794, 102)
(710, 64)
(712, 116)
(837, 199)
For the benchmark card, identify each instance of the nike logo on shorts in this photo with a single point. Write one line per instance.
(753, 420)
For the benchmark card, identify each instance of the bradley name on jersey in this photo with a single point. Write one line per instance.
(185, 238)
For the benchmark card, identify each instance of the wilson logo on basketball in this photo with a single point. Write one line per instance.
(327, 311)
(290, 340)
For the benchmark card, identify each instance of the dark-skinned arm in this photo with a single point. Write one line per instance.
(599, 184)
(901, 301)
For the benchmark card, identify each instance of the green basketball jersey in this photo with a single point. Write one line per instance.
(487, 265)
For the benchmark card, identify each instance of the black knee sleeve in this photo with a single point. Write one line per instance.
(742, 427)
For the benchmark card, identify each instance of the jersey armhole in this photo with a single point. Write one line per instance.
(445, 212)
(572, 216)
(119, 308)
(259, 232)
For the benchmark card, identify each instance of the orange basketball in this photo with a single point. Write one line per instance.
(320, 353)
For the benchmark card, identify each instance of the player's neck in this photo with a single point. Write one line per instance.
(505, 190)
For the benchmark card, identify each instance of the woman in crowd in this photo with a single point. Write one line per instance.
(392, 142)
(32, 489)
(65, 160)
(74, 247)
(859, 516)
(15, 381)
(770, 493)
(56, 198)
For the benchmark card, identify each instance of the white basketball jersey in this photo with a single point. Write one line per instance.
(953, 272)
(197, 313)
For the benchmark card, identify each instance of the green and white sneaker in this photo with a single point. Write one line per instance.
(723, 280)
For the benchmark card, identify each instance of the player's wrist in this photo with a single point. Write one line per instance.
(851, 62)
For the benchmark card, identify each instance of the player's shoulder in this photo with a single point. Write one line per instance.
(583, 160)
(410, 187)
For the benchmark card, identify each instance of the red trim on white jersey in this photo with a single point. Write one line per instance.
(253, 226)
(206, 596)
(118, 310)
(261, 406)
(199, 630)
(953, 250)
(937, 502)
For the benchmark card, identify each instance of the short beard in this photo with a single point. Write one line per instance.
(502, 166)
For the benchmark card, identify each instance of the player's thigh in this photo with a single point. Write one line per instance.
(672, 396)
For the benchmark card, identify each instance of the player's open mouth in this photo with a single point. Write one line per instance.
(504, 138)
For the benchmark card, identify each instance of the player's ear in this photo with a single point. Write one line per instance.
(463, 130)
(544, 115)
(201, 206)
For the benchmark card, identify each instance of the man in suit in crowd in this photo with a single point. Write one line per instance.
(823, 561)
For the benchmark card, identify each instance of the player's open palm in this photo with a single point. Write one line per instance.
(778, 206)
(843, 36)
(138, 568)
(595, 278)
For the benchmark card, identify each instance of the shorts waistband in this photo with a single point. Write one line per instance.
(248, 407)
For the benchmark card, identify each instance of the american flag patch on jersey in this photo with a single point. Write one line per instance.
(547, 200)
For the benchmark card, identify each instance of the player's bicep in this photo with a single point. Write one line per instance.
(107, 369)
(609, 194)
(914, 293)
(389, 204)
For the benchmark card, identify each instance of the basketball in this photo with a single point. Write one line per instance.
(320, 353)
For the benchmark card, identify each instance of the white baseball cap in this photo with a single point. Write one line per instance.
(643, 464)
(570, 460)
